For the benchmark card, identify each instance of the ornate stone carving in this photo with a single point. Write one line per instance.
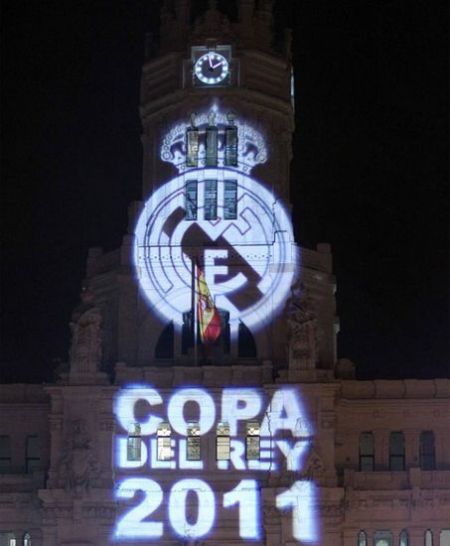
(302, 330)
(86, 348)
(212, 21)
(78, 468)
(314, 468)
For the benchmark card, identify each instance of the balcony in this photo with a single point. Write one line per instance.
(387, 480)
(21, 482)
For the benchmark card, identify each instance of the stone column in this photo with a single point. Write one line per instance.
(56, 421)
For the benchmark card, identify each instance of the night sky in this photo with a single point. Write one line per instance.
(369, 174)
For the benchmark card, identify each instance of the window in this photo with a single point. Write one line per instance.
(366, 452)
(427, 453)
(192, 147)
(428, 538)
(193, 442)
(187, 332)
(404, 538)
(26, 539)
(134, 442)
(164, 448)
(5, 454)
(7, 538)
(362, 538)
(164, 346)
(230, 200)
(252, 444)
(246, 342)
(231, 145)
(211, 146)
(383, 538)
(223, 442)
(224, 339)
(190, 202)
(33, 453)
(444, 539)
(397, 451)
(210, 200)
(222, 345)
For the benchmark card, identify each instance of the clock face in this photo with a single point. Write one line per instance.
(211, 68)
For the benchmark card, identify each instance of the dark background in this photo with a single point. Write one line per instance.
(370, 167)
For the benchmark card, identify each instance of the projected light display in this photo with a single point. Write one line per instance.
(164, 494)
(215, 214)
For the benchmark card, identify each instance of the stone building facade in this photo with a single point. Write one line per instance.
(155, 433)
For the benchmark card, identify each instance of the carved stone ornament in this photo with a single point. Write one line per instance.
(302, 330)
(86, 348)
(212, 22)
(78, 467)
(314, 468)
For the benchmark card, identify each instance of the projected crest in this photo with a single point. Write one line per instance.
(216, 215)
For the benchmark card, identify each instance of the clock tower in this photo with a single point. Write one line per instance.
(217, 114)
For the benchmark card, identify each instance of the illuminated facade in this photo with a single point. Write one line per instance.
(155, 435)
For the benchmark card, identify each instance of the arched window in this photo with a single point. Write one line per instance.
(383, 538)
(164, 347)
(252, 440)
(222, 344)
(427, 453)
(397, 451)
(134, 443)
(230, 200)
(193, 442)
(223, 442)
(366, 452)
(246, 342)
(428, 538)
(362, 538)
(404, 538)
(164, 443)
(27, 539)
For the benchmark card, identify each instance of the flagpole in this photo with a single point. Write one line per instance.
(195, 310)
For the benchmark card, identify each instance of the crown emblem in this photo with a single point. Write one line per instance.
(214, 139)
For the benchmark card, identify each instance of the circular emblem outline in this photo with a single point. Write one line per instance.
(260, 236)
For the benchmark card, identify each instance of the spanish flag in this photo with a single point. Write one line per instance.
(208, 315)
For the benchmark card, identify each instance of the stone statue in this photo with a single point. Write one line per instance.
(78, 467)
(302, 330)
(86, 348)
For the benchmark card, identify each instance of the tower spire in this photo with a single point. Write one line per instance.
(183, 12)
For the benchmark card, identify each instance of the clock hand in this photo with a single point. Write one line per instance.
(210, 61)
(216, 65)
